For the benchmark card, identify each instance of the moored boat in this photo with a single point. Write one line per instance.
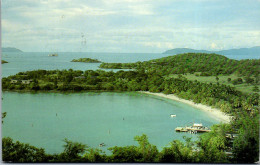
(195, 128)
(53, 55)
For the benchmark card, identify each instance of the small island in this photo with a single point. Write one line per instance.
(3, 61)
(86, 60)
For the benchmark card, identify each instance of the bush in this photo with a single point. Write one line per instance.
(48, 87)
(237, 81)
(229, 79)
(205, 74)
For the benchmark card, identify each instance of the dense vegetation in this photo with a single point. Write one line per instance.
(207, 64)
(87, 60)
(3, 61)
(154, 76)
(211, 147)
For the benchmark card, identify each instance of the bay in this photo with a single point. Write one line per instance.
(46, 119)
(90, 118)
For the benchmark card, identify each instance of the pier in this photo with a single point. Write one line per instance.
(195, 128)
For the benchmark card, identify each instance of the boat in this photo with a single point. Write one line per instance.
(53, 55)
(195, 128)
(101, 144)
(173, 115)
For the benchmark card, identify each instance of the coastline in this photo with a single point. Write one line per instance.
(216, 113)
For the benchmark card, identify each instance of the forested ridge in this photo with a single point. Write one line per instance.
(153, 76)
(212, 64)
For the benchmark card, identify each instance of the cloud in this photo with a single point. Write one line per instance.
(213, 46)
(165, 45)
(129, 25)
(141, 9)
(82, 11)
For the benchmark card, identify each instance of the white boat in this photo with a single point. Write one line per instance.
(53, 55)
(173, 115)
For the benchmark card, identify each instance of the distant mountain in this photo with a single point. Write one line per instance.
(10, 49)
(185, 50)
(242, 51)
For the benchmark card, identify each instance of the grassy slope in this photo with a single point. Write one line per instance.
(222, 80)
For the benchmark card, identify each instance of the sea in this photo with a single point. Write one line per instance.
(45, 119)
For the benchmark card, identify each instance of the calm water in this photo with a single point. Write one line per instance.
(45, 119)
(30, 61)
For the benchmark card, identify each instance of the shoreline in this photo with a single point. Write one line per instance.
(216, 113)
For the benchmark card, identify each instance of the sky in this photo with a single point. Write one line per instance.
(129, 26)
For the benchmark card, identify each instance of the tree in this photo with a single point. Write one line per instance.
(94, 156)
(212, 146)
(255, 89)
(72, 151)
(3, 116)
(128, 154)
(178, 152)
(249, 80)
(149, 152)
(246, 145)
(20, 152)
(237, 81)
(55, 83)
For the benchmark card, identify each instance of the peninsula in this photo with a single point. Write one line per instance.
(11, 49)
(3, 61)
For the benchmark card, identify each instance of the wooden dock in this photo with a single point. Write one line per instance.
(195, 128)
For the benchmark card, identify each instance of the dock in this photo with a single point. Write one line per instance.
(195, 128)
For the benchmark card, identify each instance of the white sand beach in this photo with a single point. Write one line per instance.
(216, 113)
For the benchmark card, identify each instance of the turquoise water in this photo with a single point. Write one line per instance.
(45, 119)
(90, 118)
(25, 61)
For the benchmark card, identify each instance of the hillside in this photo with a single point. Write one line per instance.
(242, 51)
(207, 64)
(11, 49)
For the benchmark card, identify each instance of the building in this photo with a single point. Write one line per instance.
(14, 81)
(26, 81)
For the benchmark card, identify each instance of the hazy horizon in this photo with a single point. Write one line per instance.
(129, 26)
(120, 52)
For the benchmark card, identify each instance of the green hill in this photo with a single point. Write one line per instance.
(11, 49)
(242, 51)
(208, 64)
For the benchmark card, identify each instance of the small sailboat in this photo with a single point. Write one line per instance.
(53, 55)
(173, 115)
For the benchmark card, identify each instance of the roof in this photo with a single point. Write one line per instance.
(197, 125)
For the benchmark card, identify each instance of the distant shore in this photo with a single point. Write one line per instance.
(216, 113)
